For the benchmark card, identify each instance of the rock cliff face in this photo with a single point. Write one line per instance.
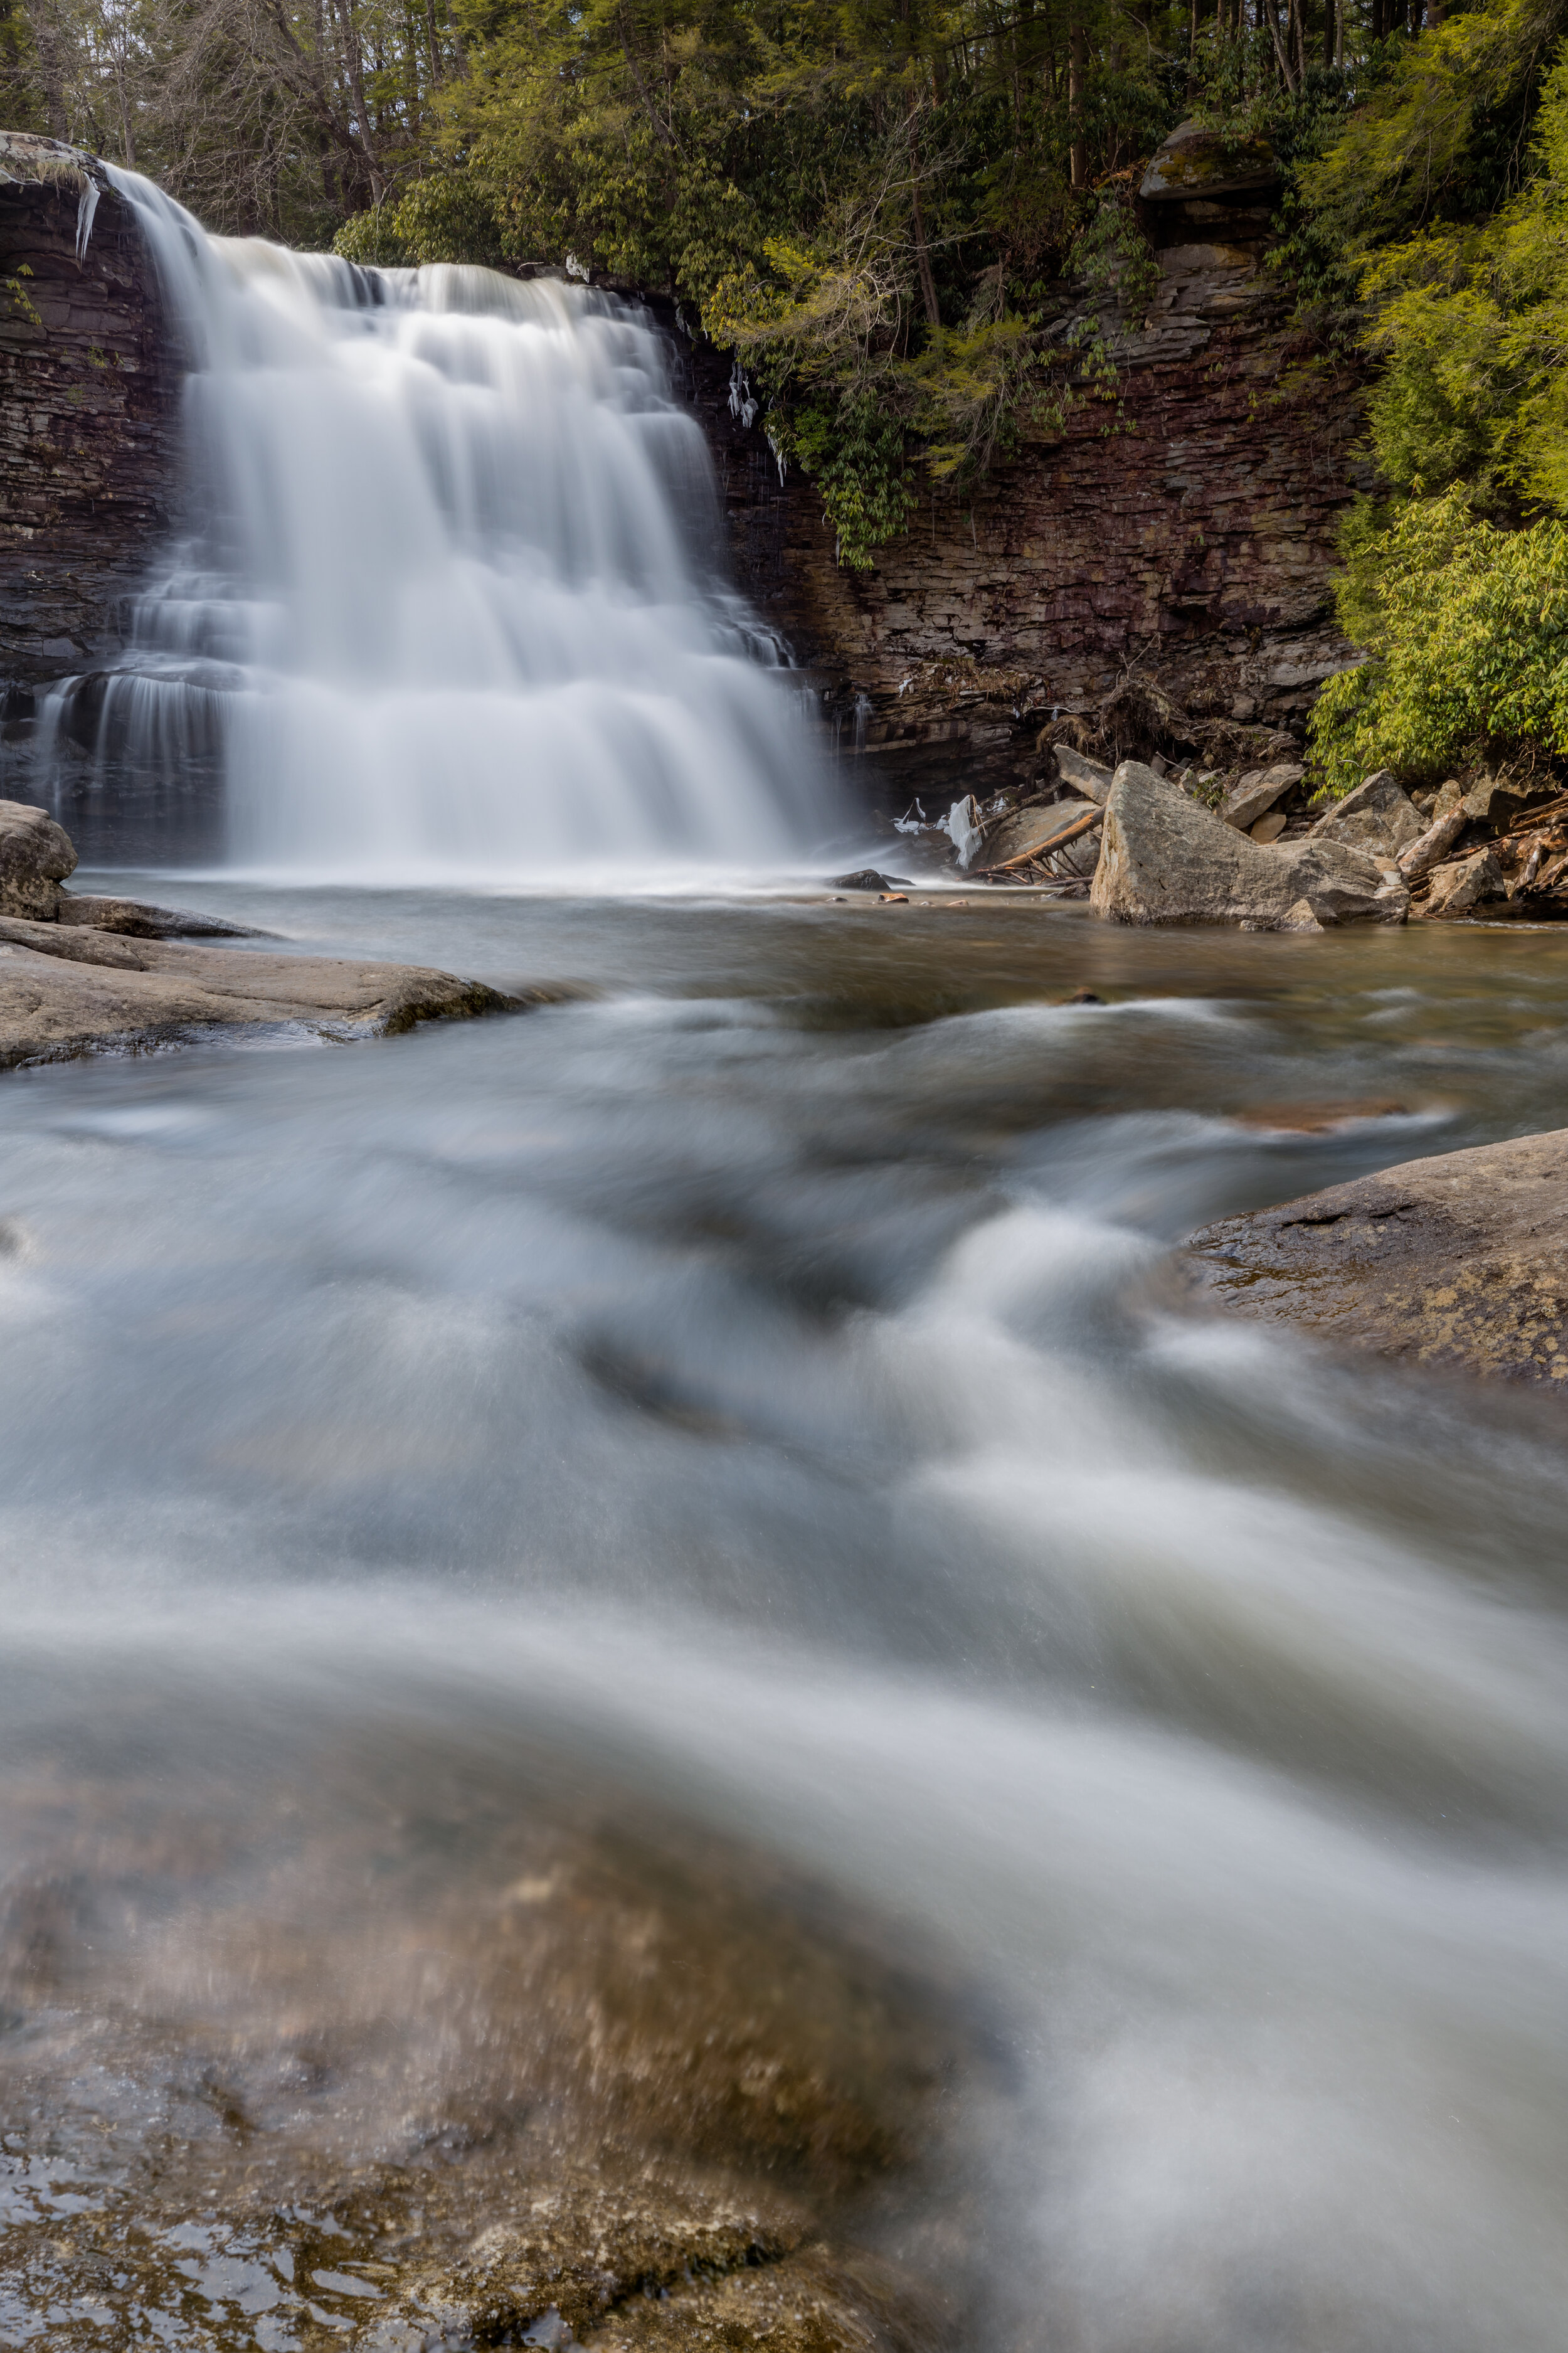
(1183, 529)
(89, 401)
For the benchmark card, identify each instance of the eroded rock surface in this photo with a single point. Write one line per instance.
(1460, 1261)
(87, 974)
(1165, 858)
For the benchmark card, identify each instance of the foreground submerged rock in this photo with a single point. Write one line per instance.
(1458, 1260)
(537, 2080)
(1165, 858)
(85, 975)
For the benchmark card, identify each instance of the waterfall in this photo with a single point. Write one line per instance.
(450, 604)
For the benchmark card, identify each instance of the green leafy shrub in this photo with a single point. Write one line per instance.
(1466, 627)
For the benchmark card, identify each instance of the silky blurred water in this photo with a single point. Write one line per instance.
(448, 598)
(760, 1380)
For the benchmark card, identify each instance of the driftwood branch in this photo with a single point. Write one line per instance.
(1043, 849)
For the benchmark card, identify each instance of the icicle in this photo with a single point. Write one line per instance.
(86, 205)
(962, 827)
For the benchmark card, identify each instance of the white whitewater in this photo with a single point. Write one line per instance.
(450, 604)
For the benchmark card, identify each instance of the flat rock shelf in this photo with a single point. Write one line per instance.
(67, 991)
(1460, 1261)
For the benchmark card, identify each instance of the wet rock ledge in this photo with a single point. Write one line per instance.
(81, 975)
(1460, 1260)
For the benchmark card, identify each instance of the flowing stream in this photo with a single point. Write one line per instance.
(758, 1384)
(753, 1398)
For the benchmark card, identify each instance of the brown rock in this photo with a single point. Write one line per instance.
(580, 2250)
(1269, 828)
(67, 991)
(1461, 1260)
(540, 2069)
(36, 856)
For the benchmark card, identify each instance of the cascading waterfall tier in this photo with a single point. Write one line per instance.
(450, 606)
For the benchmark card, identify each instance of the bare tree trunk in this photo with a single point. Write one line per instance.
(1281, 46)
(1078, 59)
(922, 263)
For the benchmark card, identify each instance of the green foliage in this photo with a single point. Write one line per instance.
(448, 217)
(1466, 627)
(855, 457)
(1447, 192)
(1444, 134)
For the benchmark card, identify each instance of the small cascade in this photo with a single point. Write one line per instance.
(450, 603)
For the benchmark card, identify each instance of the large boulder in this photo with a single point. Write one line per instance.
(1379, 817)
(1165, 858)
(1199, 161)
(36, 856)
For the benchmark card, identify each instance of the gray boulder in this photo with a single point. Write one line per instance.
(1165, 859)
(1257, 793)
(1379, 817)
(36, 856)
(1464, 883)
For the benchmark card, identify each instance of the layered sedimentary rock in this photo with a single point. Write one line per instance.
(89, 403)
(1184, 527)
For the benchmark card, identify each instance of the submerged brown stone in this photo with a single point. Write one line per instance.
(1458, 1260)
(431, 2061)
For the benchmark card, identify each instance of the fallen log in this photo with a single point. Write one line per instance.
(1085, 824)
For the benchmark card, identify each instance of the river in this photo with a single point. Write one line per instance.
(754, 1393)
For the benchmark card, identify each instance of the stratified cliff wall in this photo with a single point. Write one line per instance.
(1183, 529)
(89, 403)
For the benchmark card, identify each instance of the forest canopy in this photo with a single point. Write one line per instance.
(875, 204)
(891, 211)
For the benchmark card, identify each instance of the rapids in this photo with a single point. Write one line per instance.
(758, 1386)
